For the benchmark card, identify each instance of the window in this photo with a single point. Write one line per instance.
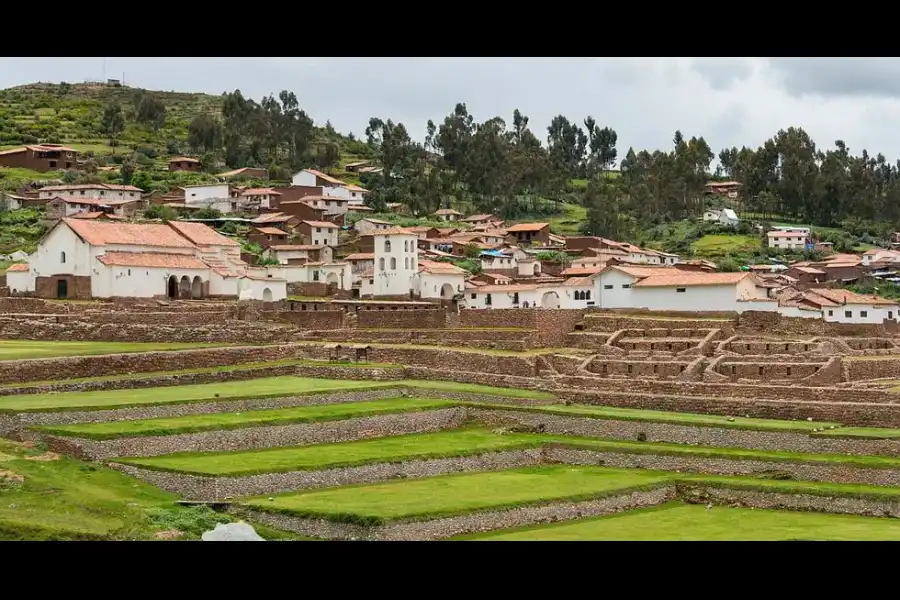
(473, 296)
(318, 230)
(315, 275)
(830, 314)
(487, 300)
(848, 313)
(381, 264)
(405, 248)
(680, 290)
(587, 295)
(516, 298)
(52, 164)
(393, 264)
(387, 245)
(62, 257)
(890, 314)
(626, 286)
(863, 313)
(577, 295)
(607, 287)
(371, 282)
(406, 263)
(129, 272)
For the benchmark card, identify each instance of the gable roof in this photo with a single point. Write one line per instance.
(184, 159)
(446, 211)
(105, 233)
(21, 267)
(692, 278)
(277, 217)
(270, 230)
(527, 227)
(322, 175)
(152, 259)
(322, 224)
(260, 192)
(202, 235)
(442, 268)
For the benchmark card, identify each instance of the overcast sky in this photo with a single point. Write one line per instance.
(729, 101)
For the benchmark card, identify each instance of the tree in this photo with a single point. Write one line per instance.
(142, 180)
(208, 212)
(112, 123)
(151, 111)
(204, 133)
(128, 168)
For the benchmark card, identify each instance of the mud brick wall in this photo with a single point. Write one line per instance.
(871, 344)
(15, 371)
(758, 347)
(403, 319)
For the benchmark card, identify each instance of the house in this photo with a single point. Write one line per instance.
(60, 207)
(670, 289)
(359, 208)
(499, 261)
(91, 191)
(396, 262)
(573, 293)
(333, 205)
(807, 274)
(331, 186)
(367, 225)
(11, 201)
(259, 199)
(302, 210)
(425, 232)
(354, 167)
(278, 219)
(880, 255)
(293, 254)
(789, 238)
(440, 280)
(331, 273)
(696, 265)
(245, 173)
(40, 157)
(219, 196)
(490, 279)
(85, 258)
(184, 163)
(396, 207)
(729, 189)
(319, 233)
(268, 236)
(357, 193)
(711, 215)
(483, 220)
(447, 214)
(19, 280)
(531, 233)
(728, 217)
(361, 262)
(840, 306)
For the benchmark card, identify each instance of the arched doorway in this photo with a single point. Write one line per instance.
(172, 289)
(267, 295)
(197, 288)
(184, 287)
(537, 269)
(550, 300)
(447, 291)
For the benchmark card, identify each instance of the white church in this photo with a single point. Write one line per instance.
(82, 259)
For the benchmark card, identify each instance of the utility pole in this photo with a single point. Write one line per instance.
(104, 70)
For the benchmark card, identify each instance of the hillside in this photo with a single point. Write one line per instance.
(71, 114)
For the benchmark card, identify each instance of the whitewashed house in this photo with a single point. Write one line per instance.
(367, 226)
(880, 255)
(838, 306)
(440, 280)
(789, 238)
(729, 217)
(258, 198)
(217, 196)
(357, 194)
(573, 293)
(337, 273)
(19, 280)
(670, 289)
(331, 186)
(299, 253)
(396, 262)
(91, 191)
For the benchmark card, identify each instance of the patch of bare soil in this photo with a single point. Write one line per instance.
(169, 534)
(45, 457)
(11, 476)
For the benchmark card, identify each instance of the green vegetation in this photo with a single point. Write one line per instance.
(19, 349)
(20, 229)
(871, 433)
(815, 488)
(399, 448)
(457, 494)
(676, 521)
(717, 246)
(269, 387)
(252, 418)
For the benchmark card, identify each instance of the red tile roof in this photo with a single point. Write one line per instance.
(152, 259)
(270, 230)
(202, 235)
(527, 227)
(19, 267)
(184, 159)
(440, 268)
(95, 215)
(290, 247)
(361, 256)
(692, 278)
(277, 217)
(104, 233)
(324, 224)
(260, 192)
(94, 201)
(447, 211)
(324, 176)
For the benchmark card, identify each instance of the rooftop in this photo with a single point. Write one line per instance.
(202, 235)
(691, 278)
(270, 230)
(527, 227)
(321, 224)
(153, 260)
(324, 176)
(103, 233)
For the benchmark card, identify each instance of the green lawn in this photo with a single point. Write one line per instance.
(18, 349)
(228, 390)
(397, 448)
(817, 488)
(870, 433)
(719, 245)
(682, 522)
(675, 418)
(237, 420)
(456, 494)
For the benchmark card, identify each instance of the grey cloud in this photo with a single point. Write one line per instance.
(839, 77)
(723, 73)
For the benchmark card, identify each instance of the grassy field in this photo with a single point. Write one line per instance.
(395, 448)
(681, 522)
(237, 420)
(871, 433)
(19, 349)
(712, 246)
(228, 390)
(456, 494)
(677, 418)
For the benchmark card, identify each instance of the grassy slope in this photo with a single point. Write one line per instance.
(677, 521)
(397, 448)
(712, 246)
(253, 418)
(19, 349)
(452, 494)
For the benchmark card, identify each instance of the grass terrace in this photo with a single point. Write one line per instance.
(237, 420)
(458, 494)
(714, 245)
(397, 448)
(681, 522)
(19, 349)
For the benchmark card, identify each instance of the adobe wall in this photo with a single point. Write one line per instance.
(309, 289)
(77, 287)
(766, 371)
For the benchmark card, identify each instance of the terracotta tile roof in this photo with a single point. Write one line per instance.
(579, 282)
(323, 224)
(441, 268)
(50, 148)
(292, 247)
(277, 217)
(360, 208)
(319, 197)
(202, 235)
(322, 175)
(786, 233)
(103, 233)
(270, 230)
(393, 231)
(580, 271)
(646, 271)
(376, 221)
(19, 267)
(361, 256)
(447, 230)
(260, 192)
(527, 227)
(238, 171)
(94, 202)
(446, 211)
(90, 186)
(691, 278)
(478, 218)
(809, 270)
(95, 215)
(496, 276)
(421, 229)
(184, 159)
(122, 188)
(152, 259)
(848, 297)
(515, 287)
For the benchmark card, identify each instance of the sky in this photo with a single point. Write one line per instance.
(728, 101)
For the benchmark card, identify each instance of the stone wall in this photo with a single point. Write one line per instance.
(872, 368)
(775, 323)
(307, 319)
(403, 319)
(311, 289)
(77, 287)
